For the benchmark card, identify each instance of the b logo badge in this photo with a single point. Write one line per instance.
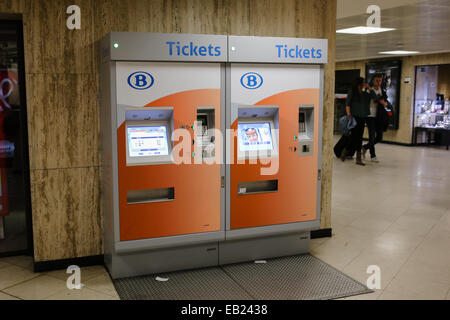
(251, 80)
(140, 80)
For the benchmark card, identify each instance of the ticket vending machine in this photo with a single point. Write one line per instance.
(211, 149)
(274, 110)
(162, 111)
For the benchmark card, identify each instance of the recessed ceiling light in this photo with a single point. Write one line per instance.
(363, 30)
(399, 52)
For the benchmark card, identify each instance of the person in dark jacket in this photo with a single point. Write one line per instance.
(358, 102)
(378, 119)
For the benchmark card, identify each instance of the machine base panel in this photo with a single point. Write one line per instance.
(167, 260)
(263, 248)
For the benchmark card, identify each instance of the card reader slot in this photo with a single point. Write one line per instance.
(150, 195)
(306, 130)
(253, 187)
(205, 132)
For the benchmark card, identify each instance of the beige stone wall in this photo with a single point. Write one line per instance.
(62, 88)
(444, 80)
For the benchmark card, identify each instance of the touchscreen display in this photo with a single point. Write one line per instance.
(254, 136)
(147, 141)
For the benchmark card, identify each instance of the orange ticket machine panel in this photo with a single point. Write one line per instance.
(162, 111)
(274, 113)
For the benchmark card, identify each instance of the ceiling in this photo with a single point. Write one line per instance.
(422, 26)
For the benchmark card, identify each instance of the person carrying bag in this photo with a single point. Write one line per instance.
(358, 101)
(347, 124)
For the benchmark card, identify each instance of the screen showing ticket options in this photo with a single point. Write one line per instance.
(147, 141)
(255, 136)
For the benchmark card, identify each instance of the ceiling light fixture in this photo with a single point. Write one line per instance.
(403, 52)
(363, 30)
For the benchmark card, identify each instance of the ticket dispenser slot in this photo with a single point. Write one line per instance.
(150, 195)
(206, 140)
(253, 187)
(305, 130)
(257, 132)
(148, 136)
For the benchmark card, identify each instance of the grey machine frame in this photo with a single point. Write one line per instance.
(156, 255)
(281, 239)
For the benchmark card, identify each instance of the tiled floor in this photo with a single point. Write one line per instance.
(394, 214)
(14, 231)
(17, 281)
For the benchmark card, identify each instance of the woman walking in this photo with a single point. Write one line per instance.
(358, 105)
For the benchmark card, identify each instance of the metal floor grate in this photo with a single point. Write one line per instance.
(201, 284)
(302, 277)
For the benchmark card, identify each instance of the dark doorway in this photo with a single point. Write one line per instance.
(15, 204)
